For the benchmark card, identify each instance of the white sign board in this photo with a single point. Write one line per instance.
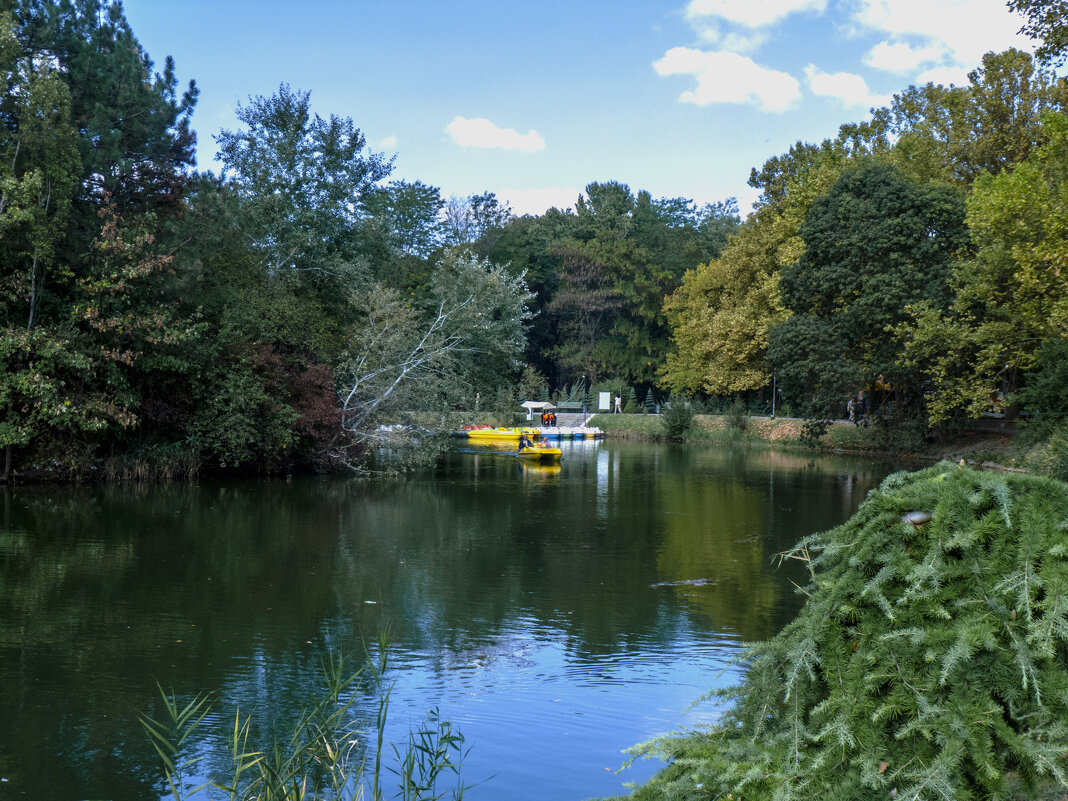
(604, 401)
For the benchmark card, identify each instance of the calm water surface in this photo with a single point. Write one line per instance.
(557, 617)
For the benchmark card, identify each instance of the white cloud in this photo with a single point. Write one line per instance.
(850, 89)
(730, 78)
(480, 132)
(956, 75)
(902, 57)
(388, 143)
(735, 42)
(538, 201)
(751, 13)
(964, 29)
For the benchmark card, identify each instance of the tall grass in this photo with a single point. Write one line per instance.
(169, 461)
(326, 754)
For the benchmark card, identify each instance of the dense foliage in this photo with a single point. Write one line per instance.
(913, 262)
(289, 312)
(298, 310)
(875, 243)
(930, 660)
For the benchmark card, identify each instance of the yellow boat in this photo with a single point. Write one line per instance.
(502, 434)
(540, 454)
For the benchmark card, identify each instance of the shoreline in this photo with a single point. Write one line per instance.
(987, 451)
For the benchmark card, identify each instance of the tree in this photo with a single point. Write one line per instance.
(402, 230)
(305, 180)
(134, 136)
(874, 244)
(402, 359)
(471, 219)
(583, 306)
(909, 672)
(408, 214)
(490, 312)
(721, 314)
(38, 176)
(1007, 98)
(529, 244)
(1010, 296)
(1045, 21)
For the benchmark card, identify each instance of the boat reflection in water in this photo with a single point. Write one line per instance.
(531, 471)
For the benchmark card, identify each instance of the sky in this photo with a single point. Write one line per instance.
(535, 100)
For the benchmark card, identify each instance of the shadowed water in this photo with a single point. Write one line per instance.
(557, 616)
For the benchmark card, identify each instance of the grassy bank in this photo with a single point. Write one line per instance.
(975, 448)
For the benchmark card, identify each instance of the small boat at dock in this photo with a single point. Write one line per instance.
(485, 433)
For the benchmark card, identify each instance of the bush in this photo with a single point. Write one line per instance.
(737, 418)
(677, 419)
(812, 432)
(930, 660)
(1052, 458)
(1043, 392)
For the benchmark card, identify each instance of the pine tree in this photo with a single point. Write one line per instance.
(930, 660)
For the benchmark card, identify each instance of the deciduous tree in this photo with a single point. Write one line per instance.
(874, 244)
(1011, 296)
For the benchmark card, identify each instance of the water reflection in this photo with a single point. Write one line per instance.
(559, 614)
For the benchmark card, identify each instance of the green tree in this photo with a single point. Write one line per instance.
(1011, 296)
(475, 219)
(584, 306)
(628, 253)
(874, 244)
(305, 181)
(405, 359)
(1042, 392)
(402, 231)
(908, 673)
(1045, 20)
(134, 138)
(490, 312)
(530, 244)
(38, 176)
(38, 179)
(721, 314)
(955, 134)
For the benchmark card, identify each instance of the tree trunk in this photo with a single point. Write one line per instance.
(7, 463)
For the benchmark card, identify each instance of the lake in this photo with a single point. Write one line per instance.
(556, 617)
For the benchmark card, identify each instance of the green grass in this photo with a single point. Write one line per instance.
(628, 426)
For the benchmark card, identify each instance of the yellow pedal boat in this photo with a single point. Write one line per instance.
(540, 454)
(502, 434)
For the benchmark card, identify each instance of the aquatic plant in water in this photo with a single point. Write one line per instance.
(325, 754)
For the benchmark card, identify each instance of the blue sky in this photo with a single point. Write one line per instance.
(534, 100)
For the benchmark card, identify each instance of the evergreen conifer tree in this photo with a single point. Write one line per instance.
(930, 660)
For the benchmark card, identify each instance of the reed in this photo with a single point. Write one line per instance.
(169, 461)
(325, 755)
